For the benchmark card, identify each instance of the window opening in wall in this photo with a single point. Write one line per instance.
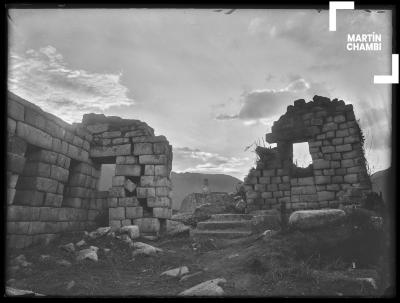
(72, 167)
(106, 175)
(302, 161)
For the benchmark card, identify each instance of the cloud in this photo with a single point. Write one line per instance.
(194, 160)
(264, 104)
(43, 77)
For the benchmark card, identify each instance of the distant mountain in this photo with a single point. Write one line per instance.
(187, 183)
(183, 183)
(380, 183)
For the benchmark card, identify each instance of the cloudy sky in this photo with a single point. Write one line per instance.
(211, 82)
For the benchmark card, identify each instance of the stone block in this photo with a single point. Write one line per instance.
(147, 225)
(265, 180)
(160, 148)
(321, 164)
(330, 134)
(63, 161)
(342, 133)
(117, 192)
(147, 181)
(330, 126)
(305, 181)
(16, 145)
(162, 181)
(39, 183)
(112, 202)
(328, 149)
(34, 135)
(162, 191)
(164, 213)
(284, 186)
(303, 190)
(328, 172)
(15, 110)
(343, 148)
(351, 154)
(134, 212)
(272, 187)
(142, 149)
(149, 170)
(144, 192)
(35, 119)
(59, 173)
(322, 179)
(53, 200)
(325, 195)
(351, 178)
(127, 170)
(22, 213)
(266, 195)
(153, 159)
(129, 185)
(117, 213)
(268, 173)
(161, 170)
(351, 139)
(118, 181)
(337, 179)
(127, 160)
(337, 141)
(260, 187)
(110, 151)
(75, 202)
(15, 163)
(339, 118)
(115, 224)
(98, 128)
(347, 163)
(111, 134)
(127, 201)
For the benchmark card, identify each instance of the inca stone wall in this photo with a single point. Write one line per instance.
(53, 169)
(338, 174)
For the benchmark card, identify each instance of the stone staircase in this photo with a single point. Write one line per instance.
(230, 226)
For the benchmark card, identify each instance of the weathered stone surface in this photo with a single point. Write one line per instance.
(87, 254)
(34, 135)
(147, 225)
(134, 212)
(108, 151)
(142, 149)
(117, 213)
(309, 219)
(161, 212)
(176, 272)
(207, 288)
(145, 249)
(127, 170)
(153, 159)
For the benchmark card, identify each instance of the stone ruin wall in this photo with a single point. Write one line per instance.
(338, 174)
(53, 171)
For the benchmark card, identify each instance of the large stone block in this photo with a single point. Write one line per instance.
(59, 173)
(322, 179)
(39, 183)
(147, 225)
(343, 148)
(351, 178)
(160, 148)
(147, 181)
(153, 159)
(127, 170)
(128, 201)
(144, 192)
(321, 164)
(159, 202)
(16, 145)
(309, 219)
(15, 163)
(164, 213)
(35, 119)
(305, 181)
(98, 128)
(117, 192)
(134, 212)
(117, 213)
(110, 151)
(162, 191)
(49, 214)
(22, 213)
(53, 200)
(127, 160)
(118, 181)
(325, 195)
(161, 170)
(142, 149)
(75, 202)
(15, 110)
(34, 135)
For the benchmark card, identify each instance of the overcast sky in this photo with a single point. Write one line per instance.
(211, 82)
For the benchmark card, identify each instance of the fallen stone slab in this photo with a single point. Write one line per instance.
(88, 253)
(131, 230)
(101, 231)
(309, 219)
(15, 292)
(176, 272)
(187, 277)
(207, 288)
(145, 249)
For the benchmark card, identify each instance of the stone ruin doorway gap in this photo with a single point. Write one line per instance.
(301, 155)
(107, 172)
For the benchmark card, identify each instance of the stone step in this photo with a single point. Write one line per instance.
(226, 234)
(230, 217)
(218, 225)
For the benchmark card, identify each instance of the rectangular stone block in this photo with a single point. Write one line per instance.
(127, 170)
(112, 134)
(40, 169)
(15, 110)
(112, 202)
(284, 186)
(115, 224)
(153, 159)
(108, 151)
(19, 228)
(128, 201)
(16, 145)
(129, 185)
(325, 195)
(98, 128)
(328, 149)
(305, 181)
(142, 149)
(15, 163)
(268, 173)
(303, 190)
(22, 213)
(264, 180)
(38, 183)
(118, 181)
(159, 202)
(117, 213)
(144, 192)
(260, 187)
(59, 173)
(162, 191)
(134, 212)
(75, 202)
(164, 213)
(117, 192)
(161, 170)
(149, 170)
(35, 119)
(11, 126)
(160, 148)
(162, 182)
(34, 135)
(147, 181)
(117, 141)
(347, 163)
(127, 160)
(266, 195)
(53, 200)
(322, 179)
(351, 178)
(272, 187)
(321, 164)
(147, 225)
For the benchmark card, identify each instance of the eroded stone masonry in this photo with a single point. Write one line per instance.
(53, 170)
(338, 173)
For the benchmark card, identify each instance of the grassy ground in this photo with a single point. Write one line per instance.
(274, 266)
